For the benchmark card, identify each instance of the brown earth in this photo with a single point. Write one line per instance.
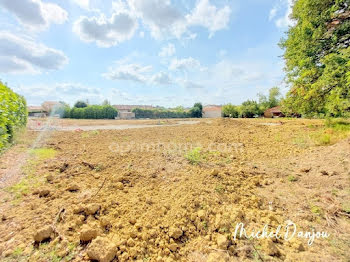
(139, 195)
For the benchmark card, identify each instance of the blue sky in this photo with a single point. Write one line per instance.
(158, 52)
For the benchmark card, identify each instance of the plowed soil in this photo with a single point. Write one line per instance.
(177, 193)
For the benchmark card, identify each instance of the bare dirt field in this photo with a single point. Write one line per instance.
(177, 192)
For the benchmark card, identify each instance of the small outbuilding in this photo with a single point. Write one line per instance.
(126, 111)
(273, 112)
(212, 111)
(36, 111)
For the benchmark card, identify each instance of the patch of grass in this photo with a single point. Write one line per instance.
(338, 125)
(205, 225)
(223, 230)
(98, 168)
(194, 156)
(333, 131)
(17, 252)
(292, 178)
(277, 137)
(220, 189)
(50, 253)
(316, 209)
(43, 153)
(346, 207)
(19, 189)
(87, 134)
(301, 142)
(325, 139)
(31, 179)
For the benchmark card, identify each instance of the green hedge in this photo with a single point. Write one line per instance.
(178, 112)
(13, 114)
(91, 112)
(159, 113)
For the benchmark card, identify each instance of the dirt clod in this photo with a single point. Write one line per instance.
(87, 233)
(175, 232)
(73, 188)
(101, 250)
(222, 241)
(44, 192)
(92, 209)
(43, 234)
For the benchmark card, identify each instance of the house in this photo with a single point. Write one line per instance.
(273, 112)
(36, 111)
(212, 111)
(125, 111)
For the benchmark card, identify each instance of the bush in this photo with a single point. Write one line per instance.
(249, 109)
(194, 156)
(196, 110)
(91, 112)
(13, 114)
(230, 110)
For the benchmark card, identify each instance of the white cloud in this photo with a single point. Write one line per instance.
(160, 16)
(68, 92)
(106, 32)
(273, 13)
(190, 84)
(185, 64)
(165, 20)
(168, 50)
(85, 4)
(209, 16)
(161, 78)
(35, 14)
(286, 20)
(131, 72)
(24, 55)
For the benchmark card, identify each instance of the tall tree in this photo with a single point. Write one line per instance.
(317, 56)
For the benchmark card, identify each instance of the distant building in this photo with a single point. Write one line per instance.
(273, 112)
(125, 111)
(212, 111)
(36, 111)
(49, 106)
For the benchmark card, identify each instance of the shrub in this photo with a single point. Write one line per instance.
(196, 110)
(194, 156)
(230, 110)
(13, 114)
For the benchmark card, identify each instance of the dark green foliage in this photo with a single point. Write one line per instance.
(196, 110)
(249, 109)
(272, 100)
(178, 112)
(317, 55)
(160, 113)
(91, 112)
(80, 104)
(13, 114)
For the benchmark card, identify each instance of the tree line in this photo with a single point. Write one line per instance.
(252, 108)
(178, 112)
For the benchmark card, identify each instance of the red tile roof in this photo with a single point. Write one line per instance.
(211, 108)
